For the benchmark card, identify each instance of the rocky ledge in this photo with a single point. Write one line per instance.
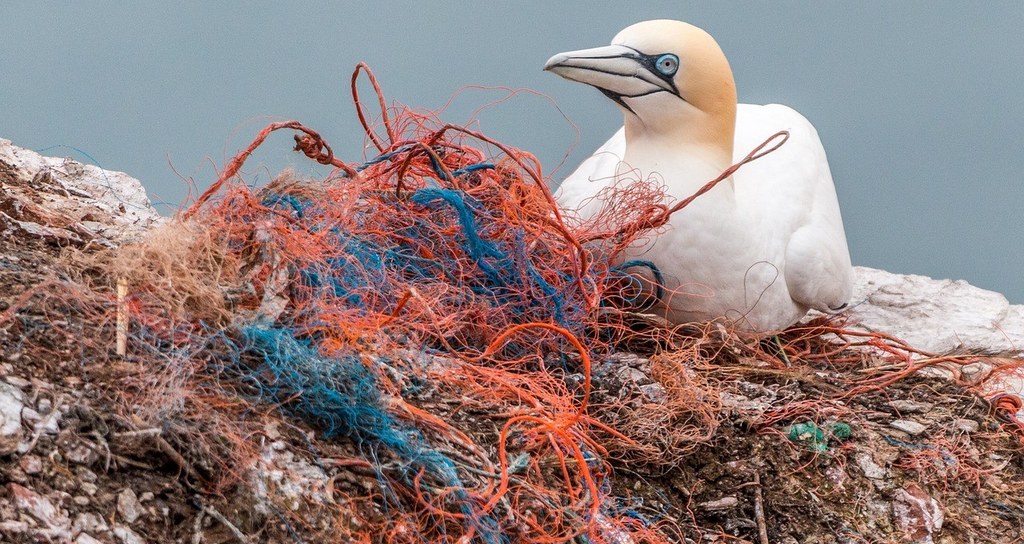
(63, 200)
(65, 476)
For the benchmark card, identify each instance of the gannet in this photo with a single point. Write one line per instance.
(762, 247)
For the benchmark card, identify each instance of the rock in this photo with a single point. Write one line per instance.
(937, 372)
(44, 406)
(85, 475)
(910, 427)
(30, 416)
(128, 506)
(975, 373)
(88, 488)
(870, 468)
(744, 404)
(31, 464)
(12, 401)
(89, 523)
(725, 503)
(50, 423)
(64, 200)
(127, 536)
(85, 538)
(836, 475)
(937, 316)
(907, 406)
(56, 522)
(15, 474)
(82, 455)
(917, 514)
(280, 477)
(654, 392)
(628, 374)
(966, 425)
(18, 381)
(13, 526)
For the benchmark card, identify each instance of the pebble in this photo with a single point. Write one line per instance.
(88, 488)
(51, 423)
(31, 416)
(85, 474)
(31, 464)
(127, 536)
(18, 381)
(40, 508)
(89, 523)
(85, 538)
(14, 526)
(725, 503)
(910, 406)
(966, 425)
(910, 427)
(919, 515)
(44, 406)
(870, 468)
(836, 475)
(11, 404)
(128, 506)
(975, 373)
(654, 392)
(82, 455)
(15, 474)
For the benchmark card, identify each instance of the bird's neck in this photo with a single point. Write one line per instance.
(685, 159)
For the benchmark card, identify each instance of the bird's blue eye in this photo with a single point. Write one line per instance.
(667, 64)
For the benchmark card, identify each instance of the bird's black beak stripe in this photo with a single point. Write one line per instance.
(619, 71)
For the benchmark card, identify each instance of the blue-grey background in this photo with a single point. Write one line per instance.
(919, 104)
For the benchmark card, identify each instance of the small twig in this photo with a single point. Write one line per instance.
(122, 317)
(212, 512)
(106, 448)
(169, 451)
(120, 459)
(143, 432)
(762, 527)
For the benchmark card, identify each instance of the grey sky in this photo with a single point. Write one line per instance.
(919, 104)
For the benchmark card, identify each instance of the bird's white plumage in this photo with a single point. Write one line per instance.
(759, 249)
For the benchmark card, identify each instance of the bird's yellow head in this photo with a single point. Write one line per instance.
(669, 77)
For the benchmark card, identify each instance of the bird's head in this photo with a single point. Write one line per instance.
(669, 77)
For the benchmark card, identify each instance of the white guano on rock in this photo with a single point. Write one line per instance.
(65, 200)
(937, 316)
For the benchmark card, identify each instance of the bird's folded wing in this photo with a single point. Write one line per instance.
(794, 186)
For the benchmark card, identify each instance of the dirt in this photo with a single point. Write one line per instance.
(710, 445)
(85, 471)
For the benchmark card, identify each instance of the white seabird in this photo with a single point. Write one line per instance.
(759, 249)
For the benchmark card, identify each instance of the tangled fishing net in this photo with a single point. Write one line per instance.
(438, 269)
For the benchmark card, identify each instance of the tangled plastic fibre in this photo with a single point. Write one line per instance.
(441, 261)
(441, 264)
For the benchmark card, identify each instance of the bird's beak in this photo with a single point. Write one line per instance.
(618, 71)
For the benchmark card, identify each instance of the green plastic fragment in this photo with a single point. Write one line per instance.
(817, 438)
(810, 435)
(840, 431)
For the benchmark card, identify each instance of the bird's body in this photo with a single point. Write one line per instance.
(759, 249)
